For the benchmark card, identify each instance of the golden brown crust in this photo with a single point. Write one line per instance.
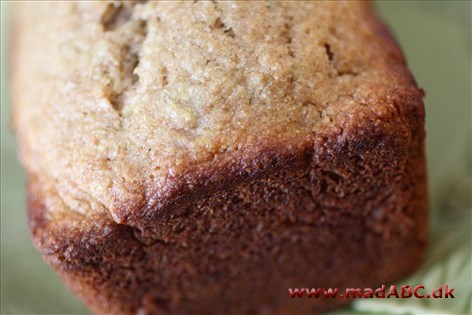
(223, 98)
(340, 205)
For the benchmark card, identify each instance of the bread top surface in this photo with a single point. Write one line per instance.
(116, 103)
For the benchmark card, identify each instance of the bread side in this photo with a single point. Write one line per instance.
(303, 167)
(310, 220)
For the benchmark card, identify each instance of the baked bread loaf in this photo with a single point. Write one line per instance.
(204, 157)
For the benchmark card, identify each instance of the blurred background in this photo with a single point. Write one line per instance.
(436, 39)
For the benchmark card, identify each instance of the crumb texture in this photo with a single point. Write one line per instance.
(124, 98)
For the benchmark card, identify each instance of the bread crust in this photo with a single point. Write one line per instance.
(345, 206)
(347, 210)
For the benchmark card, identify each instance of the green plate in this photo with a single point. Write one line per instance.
(436, 38)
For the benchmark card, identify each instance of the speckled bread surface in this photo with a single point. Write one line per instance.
(204, 157)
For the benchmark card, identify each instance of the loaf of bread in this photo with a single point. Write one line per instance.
(205, 157)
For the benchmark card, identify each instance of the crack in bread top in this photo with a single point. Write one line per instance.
(116, 101)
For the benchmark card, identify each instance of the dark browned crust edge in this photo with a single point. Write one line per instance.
(88, 252)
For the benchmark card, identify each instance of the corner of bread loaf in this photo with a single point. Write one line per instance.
(88, 252)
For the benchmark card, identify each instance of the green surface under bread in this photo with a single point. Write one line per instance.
(436, 38)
